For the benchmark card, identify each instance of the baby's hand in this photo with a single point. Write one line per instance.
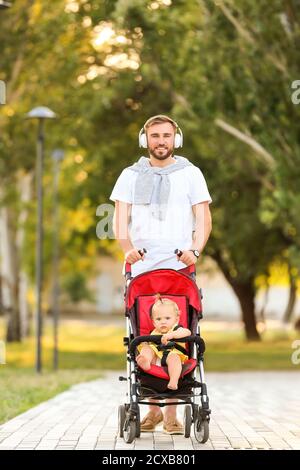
(166, 338)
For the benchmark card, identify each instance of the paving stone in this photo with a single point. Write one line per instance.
(249, 411)
(239, 443)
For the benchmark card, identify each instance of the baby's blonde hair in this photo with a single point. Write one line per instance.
(163, 301)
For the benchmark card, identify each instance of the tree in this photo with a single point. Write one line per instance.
(29, 66)
(216, 70)
(223, 69)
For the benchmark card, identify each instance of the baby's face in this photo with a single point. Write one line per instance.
(164, 317)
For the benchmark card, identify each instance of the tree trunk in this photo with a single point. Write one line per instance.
(292, 299)
(9, 273)
(261, 313)
(25, 186)
(246, 294)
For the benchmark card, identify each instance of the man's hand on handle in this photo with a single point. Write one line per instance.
(134, 255)
(187, 257)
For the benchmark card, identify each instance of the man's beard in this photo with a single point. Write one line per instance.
(161, 156)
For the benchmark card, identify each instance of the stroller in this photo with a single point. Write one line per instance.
(139, 295)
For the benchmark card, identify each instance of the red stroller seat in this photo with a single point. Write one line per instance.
(145, 326)
(140, 296)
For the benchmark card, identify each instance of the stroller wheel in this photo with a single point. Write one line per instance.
(122, 416)
(187, 421)
(201, 429)
(129, 431)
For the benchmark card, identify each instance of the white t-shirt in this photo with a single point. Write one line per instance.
(161, 237)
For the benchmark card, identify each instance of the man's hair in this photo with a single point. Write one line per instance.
(163, 301)
(159, 119)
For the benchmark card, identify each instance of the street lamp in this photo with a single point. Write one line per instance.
(41, 113)
(57, 156)
(4, 4)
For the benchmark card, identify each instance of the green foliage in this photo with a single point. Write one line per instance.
(236, 62)
(75, 285)
(198, 61)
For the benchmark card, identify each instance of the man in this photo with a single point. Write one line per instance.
(161, 204)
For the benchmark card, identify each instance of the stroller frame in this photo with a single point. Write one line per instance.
(196, 411)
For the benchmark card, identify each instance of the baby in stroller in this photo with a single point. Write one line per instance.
(180, 382)
(165, 315)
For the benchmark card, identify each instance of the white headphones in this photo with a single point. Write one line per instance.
(178, 141)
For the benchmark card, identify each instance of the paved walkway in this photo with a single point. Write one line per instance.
(250, 410)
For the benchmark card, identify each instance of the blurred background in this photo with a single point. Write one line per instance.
(228, 71)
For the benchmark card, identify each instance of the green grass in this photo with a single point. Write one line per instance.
(86, 349)
(228, 351)
(81, 345)
(21, 389)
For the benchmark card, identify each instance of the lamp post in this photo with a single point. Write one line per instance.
(41, 113)
(57, 157)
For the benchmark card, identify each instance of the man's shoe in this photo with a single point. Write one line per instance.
(150, 421)
(173, 427)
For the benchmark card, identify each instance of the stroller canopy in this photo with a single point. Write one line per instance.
(164, 281)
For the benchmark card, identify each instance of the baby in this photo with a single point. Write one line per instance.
(165, 315)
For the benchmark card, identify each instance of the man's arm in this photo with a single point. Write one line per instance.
(203, 225)
(120, 227)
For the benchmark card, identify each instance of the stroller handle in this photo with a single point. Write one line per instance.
(157, 340)
(191, 268)
(128, 265)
